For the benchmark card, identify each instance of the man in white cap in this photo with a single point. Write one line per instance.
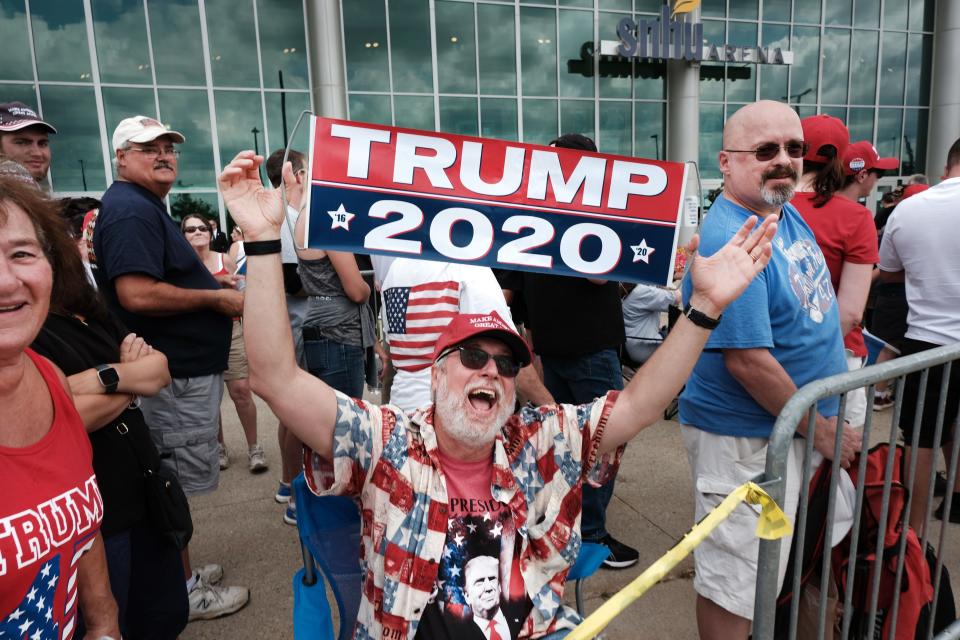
(154, 282)
(24, 138)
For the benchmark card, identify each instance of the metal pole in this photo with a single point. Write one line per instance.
(283, 108)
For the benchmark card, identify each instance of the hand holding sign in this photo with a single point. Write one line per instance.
(256, 210)
(719, 279)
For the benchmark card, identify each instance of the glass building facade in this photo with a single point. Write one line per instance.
(515, 70)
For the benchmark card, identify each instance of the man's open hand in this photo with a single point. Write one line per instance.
(255, 209)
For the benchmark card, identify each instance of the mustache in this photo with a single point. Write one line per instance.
(784, 171)
(163, 165)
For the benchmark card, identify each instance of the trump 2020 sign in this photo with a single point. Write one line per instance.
(436, 196)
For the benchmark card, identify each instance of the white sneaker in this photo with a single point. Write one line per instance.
(209, 573)
(209, 601)
(222, 456)
(257, 460)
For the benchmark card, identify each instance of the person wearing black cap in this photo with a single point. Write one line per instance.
(24, 137)
(465, 466)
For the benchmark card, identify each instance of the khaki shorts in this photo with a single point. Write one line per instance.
(726, 562)
(237, 360)
(855, 413)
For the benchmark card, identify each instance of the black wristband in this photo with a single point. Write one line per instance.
(261, 247)
(701, 319)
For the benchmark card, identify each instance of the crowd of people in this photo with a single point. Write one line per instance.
(505, 415)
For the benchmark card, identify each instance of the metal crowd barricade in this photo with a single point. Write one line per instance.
(793, 412)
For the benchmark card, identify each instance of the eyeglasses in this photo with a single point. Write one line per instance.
(156, 152)
(474, 358)
(770, 150)
(192, 229)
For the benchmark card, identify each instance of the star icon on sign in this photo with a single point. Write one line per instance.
(642, 251)
(341, 218)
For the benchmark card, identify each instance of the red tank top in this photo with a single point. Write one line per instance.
(50, 512)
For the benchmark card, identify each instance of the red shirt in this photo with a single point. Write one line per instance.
(50, 512)
(845, 232)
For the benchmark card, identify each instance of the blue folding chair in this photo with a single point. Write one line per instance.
(329, 529)
(588, 561)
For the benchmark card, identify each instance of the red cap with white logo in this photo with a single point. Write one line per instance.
(863, 156)
(491, 325)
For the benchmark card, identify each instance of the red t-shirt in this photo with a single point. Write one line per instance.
(845, 232)
(50, 512)
(479, 587)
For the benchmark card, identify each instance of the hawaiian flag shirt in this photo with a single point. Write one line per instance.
(390, 461)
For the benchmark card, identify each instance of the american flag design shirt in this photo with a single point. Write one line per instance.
(50, 514)
(416, 316)
(391, 463)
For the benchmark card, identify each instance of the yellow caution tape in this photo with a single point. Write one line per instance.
(772, 525)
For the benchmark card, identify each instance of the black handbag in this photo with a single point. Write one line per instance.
(167, 506)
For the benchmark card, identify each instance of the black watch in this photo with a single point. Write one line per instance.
(109, 378)
(701, 319)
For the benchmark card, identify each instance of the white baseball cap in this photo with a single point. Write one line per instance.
(142, 129)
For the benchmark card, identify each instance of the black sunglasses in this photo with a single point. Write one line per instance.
(769, 150)
(474, 358)
(191, 229)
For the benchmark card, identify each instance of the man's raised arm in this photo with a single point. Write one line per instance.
(303, 403)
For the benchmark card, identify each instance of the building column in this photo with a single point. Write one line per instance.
(683, 130)
(326, 53)
(944, 126)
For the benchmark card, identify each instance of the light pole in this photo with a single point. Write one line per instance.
(656, 146)
(256, 141)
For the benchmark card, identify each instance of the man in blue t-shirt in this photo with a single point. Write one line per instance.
(154, 282)
(780, 334)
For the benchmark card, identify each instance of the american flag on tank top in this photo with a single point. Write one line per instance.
(416, 316)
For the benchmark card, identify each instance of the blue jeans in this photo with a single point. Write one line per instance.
(576, 380)
(339, 365)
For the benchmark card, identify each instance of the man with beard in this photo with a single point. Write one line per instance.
(466, 465)
(783, 332)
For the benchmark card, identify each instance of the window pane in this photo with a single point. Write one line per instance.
(889, 122)
(863, 85)
(458, 115)
(410, 45)
(203, 203)
(538, 51)
(76, 150)
(711, 139)
(576, 116)
(415, 112)
(867, 13)
(282, 47)
(919, 57)
(60, 39)
(806, 48)
(921, 15)
(894, 67)
(615, 4)
(773, 78)
(647, 6)
(188, 112)
(615, 129)
(498, 118)
(650, 82)
(365, 42)
(741, 82)
(837, 112)
(776, 10)
(370, 108)
(839, 12)
(860, 123)
(576, 29)
(121, 34)
(120, 103)
(744, 9)
(576, 3)
(456, 50)
(610, 86)
(806, 111)
(806, 11)
(25, 93)
(649, 141)
(895, 15)
(914, 142)
(540, 124)
(836, 65)
(13, 33)
(175, 33)
(712, 73)
(296, 103)
(713, 8)
(233, 55)
(498, 63)
(238, 115)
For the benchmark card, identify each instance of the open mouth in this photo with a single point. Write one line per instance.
(482, 399)
(12, 307)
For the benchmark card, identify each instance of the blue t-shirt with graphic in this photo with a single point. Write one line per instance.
(789, 308)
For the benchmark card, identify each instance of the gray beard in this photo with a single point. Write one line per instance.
(453, 416)
(777, 197)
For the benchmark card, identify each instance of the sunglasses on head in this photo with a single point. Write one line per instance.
(201, 227)
(475, 358)
(769, 150)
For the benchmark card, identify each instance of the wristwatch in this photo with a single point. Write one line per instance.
(109, 378)
(701, 319)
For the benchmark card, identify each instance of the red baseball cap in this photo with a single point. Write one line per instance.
(863, 156)
(465, 326)
(823, 130)
(912, 190)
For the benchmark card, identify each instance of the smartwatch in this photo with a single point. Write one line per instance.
(701, 319)
(109, 378)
